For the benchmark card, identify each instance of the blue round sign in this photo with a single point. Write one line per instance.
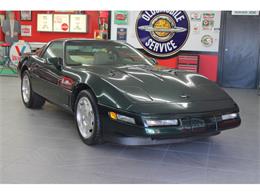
(162, 33)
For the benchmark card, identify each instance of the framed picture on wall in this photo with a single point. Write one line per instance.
(61, 23)
(26, 15)
(78, 23)
(44, 22)
(121, 34)
(26, 30)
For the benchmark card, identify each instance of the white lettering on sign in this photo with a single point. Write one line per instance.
(175, 14)
(246, 13)
(161, 47)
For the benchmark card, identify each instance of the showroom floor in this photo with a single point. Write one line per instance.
(42, 146)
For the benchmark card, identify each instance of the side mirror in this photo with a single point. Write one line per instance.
(56, 61)
(153, 61)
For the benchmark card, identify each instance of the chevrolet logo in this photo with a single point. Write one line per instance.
(185, 96)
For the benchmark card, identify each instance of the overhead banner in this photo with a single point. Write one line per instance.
(162, 33)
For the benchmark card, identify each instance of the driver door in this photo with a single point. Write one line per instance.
(50, 76)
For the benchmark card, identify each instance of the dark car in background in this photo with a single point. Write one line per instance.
(117, 94)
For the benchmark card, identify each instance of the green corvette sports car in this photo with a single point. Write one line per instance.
(117, 94)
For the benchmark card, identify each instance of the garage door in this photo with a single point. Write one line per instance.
(240, 51)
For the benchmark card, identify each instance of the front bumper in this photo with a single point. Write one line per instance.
(190, 127)
(139, 141)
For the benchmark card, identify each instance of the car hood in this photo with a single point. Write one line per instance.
(162, 85)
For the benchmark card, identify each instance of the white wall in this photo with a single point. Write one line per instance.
(194, 41)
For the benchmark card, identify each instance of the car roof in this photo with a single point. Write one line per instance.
(81, 39)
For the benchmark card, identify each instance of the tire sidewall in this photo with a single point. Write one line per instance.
(95, 137)
(29, 103)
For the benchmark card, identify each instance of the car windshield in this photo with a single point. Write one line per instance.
(80, 53)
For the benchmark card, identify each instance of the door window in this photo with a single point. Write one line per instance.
(54, 50)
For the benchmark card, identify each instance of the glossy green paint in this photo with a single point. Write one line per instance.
(146, 89)
(140, 88)
(139, 91)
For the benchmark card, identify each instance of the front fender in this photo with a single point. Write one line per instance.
(106, 93)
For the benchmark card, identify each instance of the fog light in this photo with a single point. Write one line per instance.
(149, 131)
(152, 131)
(151, 123)
(229, 116)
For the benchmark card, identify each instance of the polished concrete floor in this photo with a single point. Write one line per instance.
(42, 146)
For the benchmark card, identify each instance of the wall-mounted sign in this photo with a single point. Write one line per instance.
(44, 22)
(196, 28)
(246, 13)
(208, 15)
(26, 30)
(121, 34)
(207, 40)
(78, 23)
(17, 50)
(162, 33)
(195, 16)
(121, 17)
(26, 15)
(61, 22)
(208, 21)
(207, 24)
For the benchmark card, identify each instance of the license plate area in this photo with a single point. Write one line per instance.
(198, 125)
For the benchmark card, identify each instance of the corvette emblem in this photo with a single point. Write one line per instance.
(185, 96)
(162, 33)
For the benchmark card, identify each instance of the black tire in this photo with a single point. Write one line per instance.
(96, 133)
(35, 101)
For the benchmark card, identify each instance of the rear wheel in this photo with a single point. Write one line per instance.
(87, 118)
(30, 99)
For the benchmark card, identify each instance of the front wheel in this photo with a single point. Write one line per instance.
(30, 99)
(87, 118)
